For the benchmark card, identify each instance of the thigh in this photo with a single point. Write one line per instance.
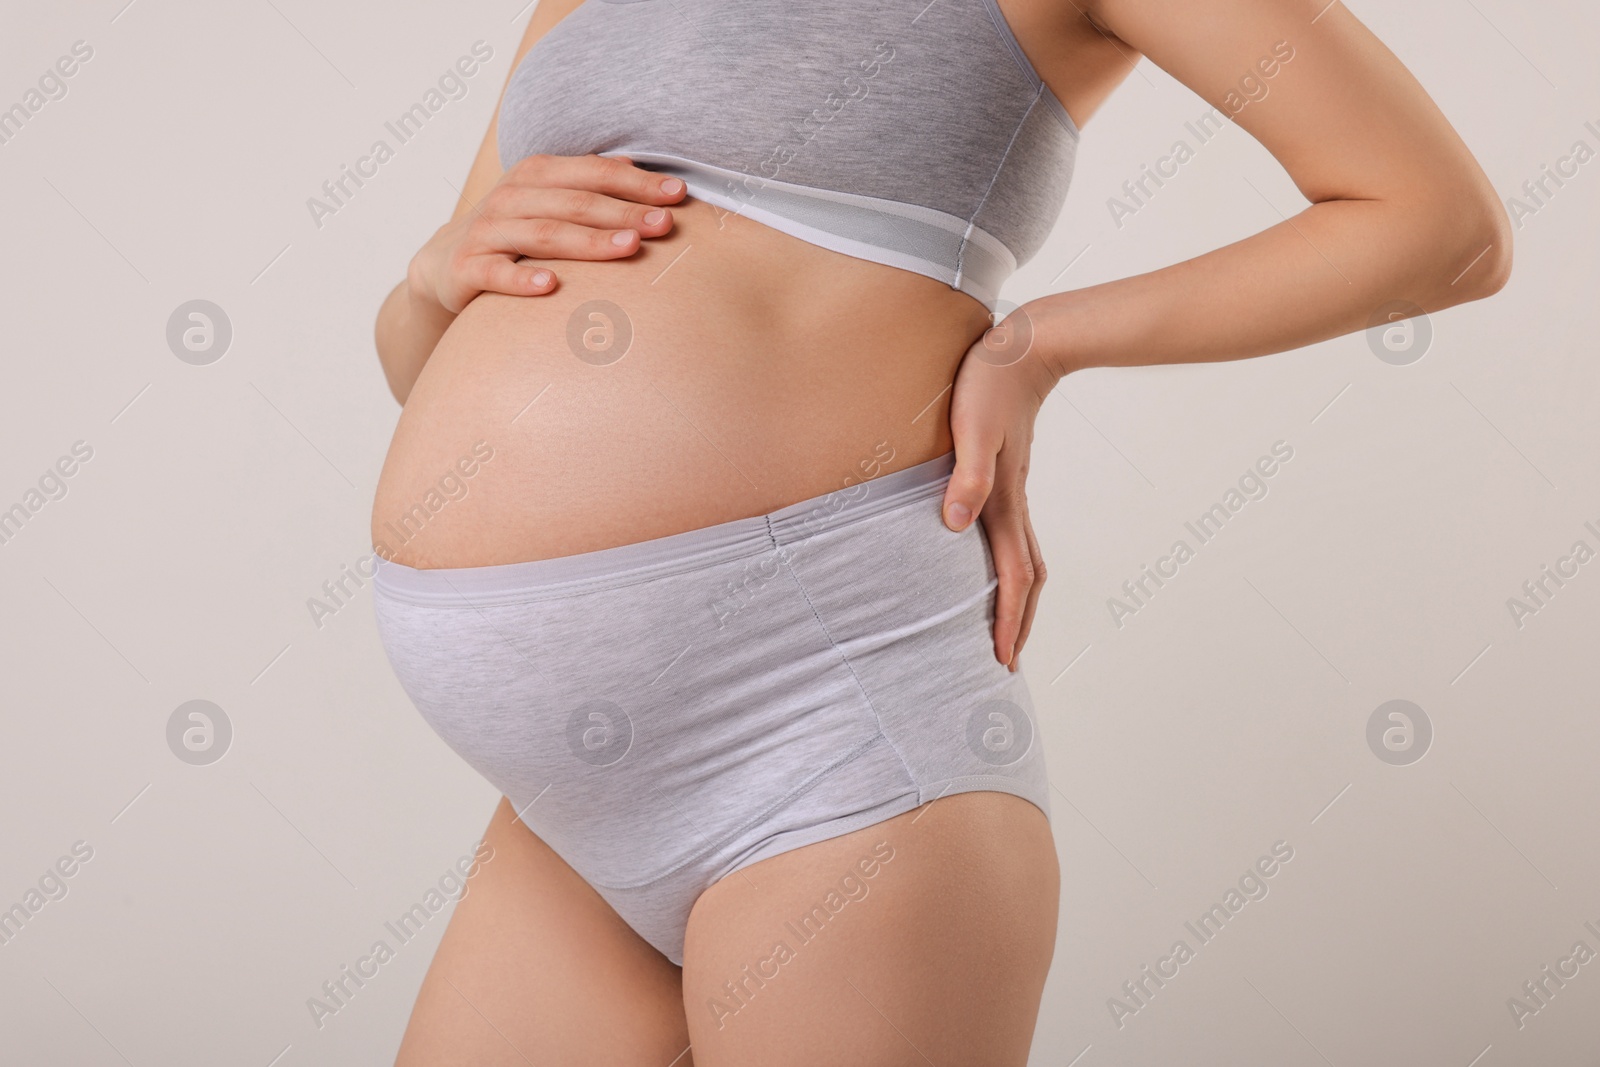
(924, 938)
(536, 968)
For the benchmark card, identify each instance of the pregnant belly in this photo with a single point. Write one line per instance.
(725, 371)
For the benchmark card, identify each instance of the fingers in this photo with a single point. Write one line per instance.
(582, 207)
(1039, 576)
(973, 490)
(991, 421)
(555, 207)
(1005, 524)
(990, 479)
(550, 239)
(971, 481)
(615, 177)
(497, 274)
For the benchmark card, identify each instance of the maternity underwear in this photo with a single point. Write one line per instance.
(667, 712)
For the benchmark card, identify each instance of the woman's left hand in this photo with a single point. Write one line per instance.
(998, 391)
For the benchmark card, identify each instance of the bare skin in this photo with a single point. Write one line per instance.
(536, 968)
(942, 960)
(762, 371)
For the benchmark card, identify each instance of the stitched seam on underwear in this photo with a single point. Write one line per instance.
(1013, 780)
(772, 538)
(850, 514)
(836, 826)
(961, 252)
(993, 785)
(521, 598)
(849, 667)
(766, 813)
(605, 583)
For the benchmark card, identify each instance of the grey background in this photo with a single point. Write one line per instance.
(1228, 714)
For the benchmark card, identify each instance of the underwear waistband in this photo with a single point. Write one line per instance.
(664, 556)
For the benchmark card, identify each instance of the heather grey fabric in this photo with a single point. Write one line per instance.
(664, 713)
(899, 131)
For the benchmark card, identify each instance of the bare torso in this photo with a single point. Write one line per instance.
(762, 370)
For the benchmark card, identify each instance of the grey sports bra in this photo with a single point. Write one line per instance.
(899, 131)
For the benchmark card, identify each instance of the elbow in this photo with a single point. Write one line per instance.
(1493, 239)
(1479, 237)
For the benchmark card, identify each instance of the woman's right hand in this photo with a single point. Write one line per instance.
(544, 207)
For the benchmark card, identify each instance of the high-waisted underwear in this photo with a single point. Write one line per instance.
(664, 713)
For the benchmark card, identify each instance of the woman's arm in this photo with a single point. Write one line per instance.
(410, 322)
(546, 207)
(1399, 210)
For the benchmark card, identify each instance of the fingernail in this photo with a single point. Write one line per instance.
(671, 186)
(958, 515)
(621, 237)
(541, 278)
(653, 218)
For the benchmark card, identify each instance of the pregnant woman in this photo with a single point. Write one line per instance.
(701, 405)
